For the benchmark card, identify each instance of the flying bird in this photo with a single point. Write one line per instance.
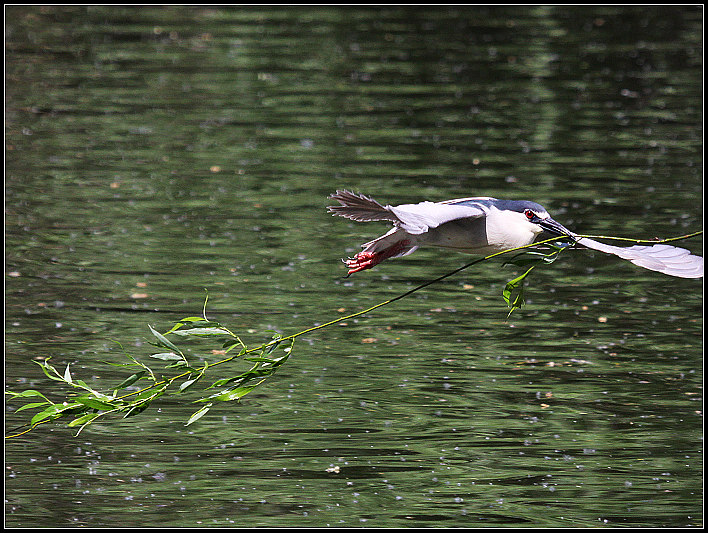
(484, 225)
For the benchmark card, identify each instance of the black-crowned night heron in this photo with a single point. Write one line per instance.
(484, 226)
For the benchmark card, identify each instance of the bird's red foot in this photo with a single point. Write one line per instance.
(361, 261)
(365, 260)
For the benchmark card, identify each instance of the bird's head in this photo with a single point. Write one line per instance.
(530, 216)
(539, 217)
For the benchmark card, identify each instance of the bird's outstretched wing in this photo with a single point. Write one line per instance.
(413, 218)
(663, 258)
(419, 218)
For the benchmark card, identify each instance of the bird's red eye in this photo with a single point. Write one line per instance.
(529, 214)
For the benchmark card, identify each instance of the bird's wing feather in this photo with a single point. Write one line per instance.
(663, 258)
(359, 207)
(419, 218)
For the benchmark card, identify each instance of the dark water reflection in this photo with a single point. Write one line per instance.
(152, 153)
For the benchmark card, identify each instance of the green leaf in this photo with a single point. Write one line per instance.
(67, 375)
(179, 364)
(232, 342)
(184, 386)
(93, 393)
(255, 372)
(193, 321)
(31, 406)
(82, 384)
(29, 393)
(127, 382)
(202, 331)
(515, 285)
(197, 415)
(52, 411)
(235, 394)
(93, 403)
(164, 341)
(225, 381)
(167, 356)
(147, 394)
(137, 409)
(49, 370)
(193, 378)
(85, 419)
(198, 322)
(143, 400)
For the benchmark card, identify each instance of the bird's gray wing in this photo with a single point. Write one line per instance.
(419, 218)
(663, 258)
(413, 218)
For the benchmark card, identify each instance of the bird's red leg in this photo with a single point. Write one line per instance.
(365, 260)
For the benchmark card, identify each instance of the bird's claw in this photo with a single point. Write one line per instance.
(365, 260)
(361, 261)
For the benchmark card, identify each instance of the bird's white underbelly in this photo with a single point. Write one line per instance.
(475, 236)
(463, 235)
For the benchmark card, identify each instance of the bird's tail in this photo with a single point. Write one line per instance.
(359, 208)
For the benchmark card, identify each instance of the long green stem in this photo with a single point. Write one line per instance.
(341, 318)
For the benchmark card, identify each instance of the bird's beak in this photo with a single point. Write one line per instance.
(555, 228)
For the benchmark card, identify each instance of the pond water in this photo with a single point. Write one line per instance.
(153, 154)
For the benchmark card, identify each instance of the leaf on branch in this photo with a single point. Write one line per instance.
(49, 370)
(229, 343)
(94, 403)
(515, 286)
(167, 356)
(85, 419)
(263, 368)
(195, 322)
(164, 341)
(204, 331)
(535, 258)
(192, 380)
(29, 393)
(53, 411)
(235, 394)
(31, 406)
(127, 382)
(137, 409)
(186, 320)
(197, 415)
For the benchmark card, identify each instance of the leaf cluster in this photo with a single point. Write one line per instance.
(84, 405)
(513, 292)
